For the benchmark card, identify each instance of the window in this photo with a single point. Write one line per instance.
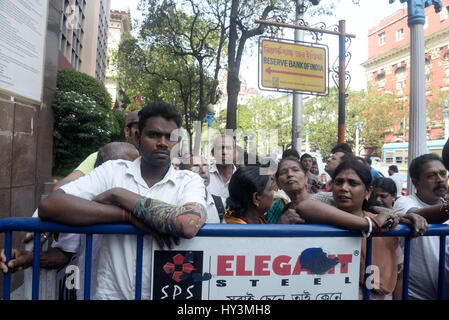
(389, 156)
(399, 154)
(401, 85)
(380, 77)
(436, 151)
(381, 39)
(400, 34)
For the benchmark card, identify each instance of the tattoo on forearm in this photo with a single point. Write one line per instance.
(168, 218)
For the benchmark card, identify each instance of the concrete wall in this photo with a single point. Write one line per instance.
(26, 142)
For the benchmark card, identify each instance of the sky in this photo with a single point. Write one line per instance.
(358, 20)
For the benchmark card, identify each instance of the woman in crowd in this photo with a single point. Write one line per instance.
(291, 179)
(250, 196)
(384, 193)
(351, 189)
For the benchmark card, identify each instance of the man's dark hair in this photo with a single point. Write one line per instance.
(393, 168)
(368, 160)
(290, 153)
(415, 166)
(306, 155)
(159, 108)
(342, 147)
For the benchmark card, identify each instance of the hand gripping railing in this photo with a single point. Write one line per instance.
(38, 226)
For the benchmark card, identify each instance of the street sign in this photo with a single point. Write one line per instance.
(293, 66)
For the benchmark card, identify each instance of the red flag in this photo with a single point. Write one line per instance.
(139, 98)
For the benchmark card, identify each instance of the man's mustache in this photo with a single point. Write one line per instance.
(440, 186)
(162, 150)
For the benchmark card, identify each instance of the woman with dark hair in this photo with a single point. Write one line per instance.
(291, 179)
(250, 196)
(384, 193)
(352, 187)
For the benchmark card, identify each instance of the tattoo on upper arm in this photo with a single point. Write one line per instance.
(168, 218)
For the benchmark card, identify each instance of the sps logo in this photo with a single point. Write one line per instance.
(178, 275)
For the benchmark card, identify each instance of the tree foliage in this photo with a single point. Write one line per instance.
(81, 127)
(378, 114)
(265, 114)
(70, 80)
(176, 57)
(83, 119)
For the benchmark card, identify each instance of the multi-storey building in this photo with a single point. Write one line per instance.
(119, 23)
(83, 36)
(388, 64)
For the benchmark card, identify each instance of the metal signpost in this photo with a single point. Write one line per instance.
(340, 75)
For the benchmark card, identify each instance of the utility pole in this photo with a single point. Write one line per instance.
(417, 143)
(297, 97)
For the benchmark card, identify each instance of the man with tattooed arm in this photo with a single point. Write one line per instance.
(148, 193)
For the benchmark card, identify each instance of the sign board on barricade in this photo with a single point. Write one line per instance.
(23, 26)
(293, 66)
(252, 268)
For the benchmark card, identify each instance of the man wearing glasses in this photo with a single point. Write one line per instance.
(214, 205)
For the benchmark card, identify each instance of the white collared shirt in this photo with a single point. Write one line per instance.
(396, 177)
(424, 257)
(116, 273)
(212, 212)
(216, 185)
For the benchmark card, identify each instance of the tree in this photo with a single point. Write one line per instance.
(266, 116)
(160, 76)
(379, 114)
(242, 28)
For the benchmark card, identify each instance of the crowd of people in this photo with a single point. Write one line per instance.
(168, 197)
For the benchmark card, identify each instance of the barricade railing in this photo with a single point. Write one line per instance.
(8, 225)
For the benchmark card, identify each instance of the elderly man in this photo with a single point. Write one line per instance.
(148, 192)
(215, 205)
(224, 168)
(429, 176)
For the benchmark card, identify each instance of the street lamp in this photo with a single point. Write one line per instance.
(446, 119)
(357, 126)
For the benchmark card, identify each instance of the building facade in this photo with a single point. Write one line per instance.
(388, 66)
(119, 23)
(83, 36)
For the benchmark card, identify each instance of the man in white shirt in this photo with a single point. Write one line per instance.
(223, 169)
(429, 176)
(396, 177)
(148, 192)
(199, 165)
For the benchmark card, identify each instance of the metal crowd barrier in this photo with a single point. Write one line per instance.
(37, 226)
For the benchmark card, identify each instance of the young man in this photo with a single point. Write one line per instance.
(339, 152)
(313, 182)
(394, 175)
(429, 176)
(147, 192)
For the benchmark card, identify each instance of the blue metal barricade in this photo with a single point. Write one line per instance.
(8, 225)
